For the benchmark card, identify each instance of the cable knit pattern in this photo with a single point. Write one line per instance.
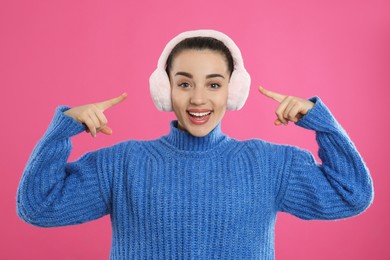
(185, 197)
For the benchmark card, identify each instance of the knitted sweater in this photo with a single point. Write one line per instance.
(186, 197)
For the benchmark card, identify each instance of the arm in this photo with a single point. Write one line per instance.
(53, 192)
(340, 187)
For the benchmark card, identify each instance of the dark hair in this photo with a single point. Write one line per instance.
(201, 43)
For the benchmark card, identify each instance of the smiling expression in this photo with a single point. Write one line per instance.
(199, 90)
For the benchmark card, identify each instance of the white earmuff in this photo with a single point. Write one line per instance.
(239, 83)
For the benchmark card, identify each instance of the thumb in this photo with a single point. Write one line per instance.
(106, 130)
(277, 122)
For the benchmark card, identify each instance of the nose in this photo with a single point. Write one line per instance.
(198, 96)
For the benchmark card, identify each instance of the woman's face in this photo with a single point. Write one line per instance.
(199, 90)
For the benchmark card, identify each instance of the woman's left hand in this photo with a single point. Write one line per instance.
(290, 108)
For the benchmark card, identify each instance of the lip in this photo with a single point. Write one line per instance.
(199, 120)
(199, 110)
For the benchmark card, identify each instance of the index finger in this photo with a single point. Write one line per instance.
(111, 102)
(275, 96)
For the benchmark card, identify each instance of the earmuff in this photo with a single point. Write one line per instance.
(239, 83)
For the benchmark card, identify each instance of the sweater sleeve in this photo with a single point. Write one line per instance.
(53, 192)
(340, 186)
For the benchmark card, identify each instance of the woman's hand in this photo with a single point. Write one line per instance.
(92, 115)
(290, 108)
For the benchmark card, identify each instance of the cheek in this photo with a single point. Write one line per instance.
(221, 100)
(177, 101)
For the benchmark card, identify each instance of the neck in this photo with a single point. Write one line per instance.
(183, 140)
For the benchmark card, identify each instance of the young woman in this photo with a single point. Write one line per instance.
(194, 193)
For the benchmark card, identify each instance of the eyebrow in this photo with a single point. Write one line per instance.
(188, 75)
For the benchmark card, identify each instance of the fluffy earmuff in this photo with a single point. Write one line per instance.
(239, 83)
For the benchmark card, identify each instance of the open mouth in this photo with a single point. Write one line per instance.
(199, 117)
(199, 114)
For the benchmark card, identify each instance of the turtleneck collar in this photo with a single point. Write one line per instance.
(183, 140)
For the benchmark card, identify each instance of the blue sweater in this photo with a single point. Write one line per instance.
(185, 197)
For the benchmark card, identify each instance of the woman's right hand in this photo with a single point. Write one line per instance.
(92, 115)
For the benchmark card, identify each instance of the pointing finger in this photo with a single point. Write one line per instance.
(275, 96)
(111, 102)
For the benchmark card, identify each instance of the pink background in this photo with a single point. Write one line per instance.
(77, 52)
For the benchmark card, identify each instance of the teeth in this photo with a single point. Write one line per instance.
(199, 114)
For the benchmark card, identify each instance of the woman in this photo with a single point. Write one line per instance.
(194, 193)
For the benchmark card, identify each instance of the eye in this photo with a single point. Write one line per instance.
(184, 85)
(215, 86)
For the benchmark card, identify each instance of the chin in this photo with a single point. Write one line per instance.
(200, 133)
(197, 127)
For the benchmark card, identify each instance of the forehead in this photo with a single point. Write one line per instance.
(200, 60)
